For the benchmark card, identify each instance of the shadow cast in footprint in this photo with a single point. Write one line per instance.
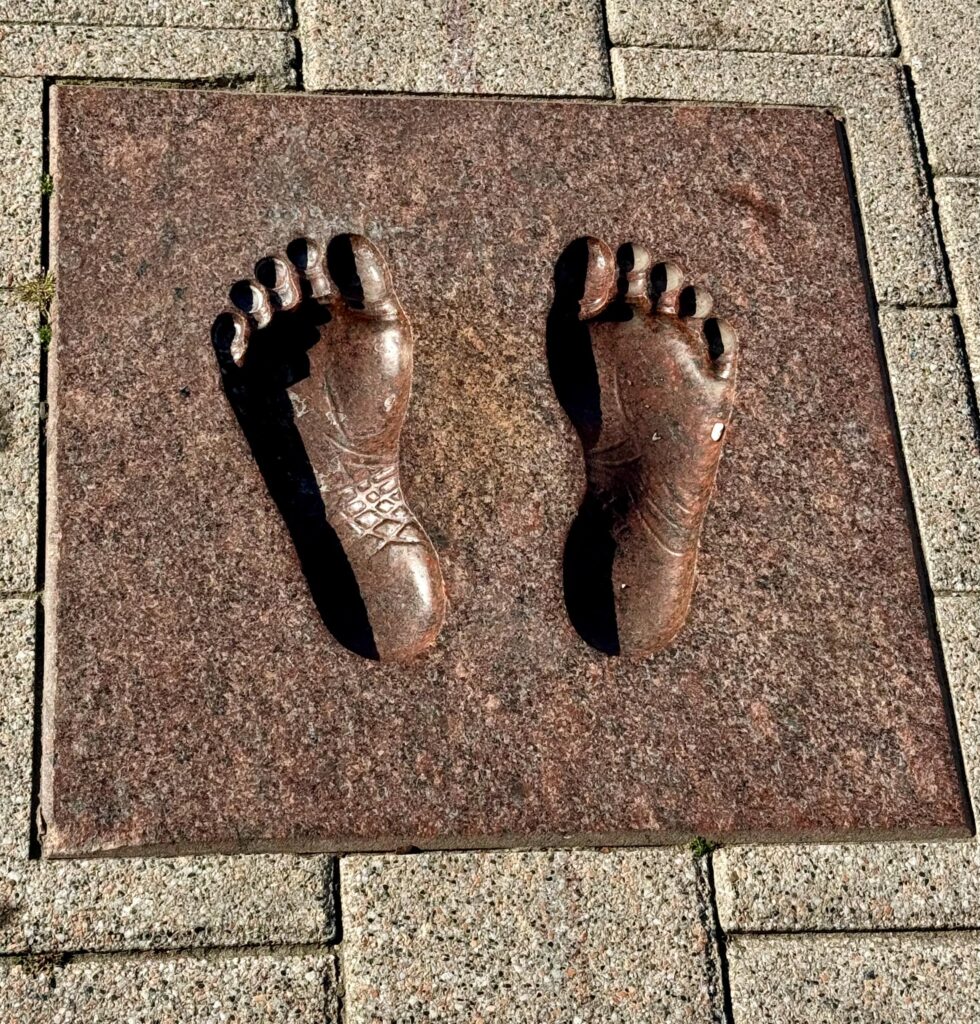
(590, 548)
(257, 393)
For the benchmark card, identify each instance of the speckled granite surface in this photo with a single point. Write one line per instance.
(193, 697)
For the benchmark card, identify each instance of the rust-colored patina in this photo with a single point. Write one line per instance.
(318, 343)
(649, 385)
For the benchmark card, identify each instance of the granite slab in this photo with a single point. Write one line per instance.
(193, 696)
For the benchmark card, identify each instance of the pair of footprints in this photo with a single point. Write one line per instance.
(318, 345)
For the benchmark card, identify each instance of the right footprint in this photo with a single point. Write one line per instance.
(648, 379)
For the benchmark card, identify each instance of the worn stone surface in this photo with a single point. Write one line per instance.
(169, 54)
(959, 212)
(611, 937)
(903, 247)
(878, 979)
(262, 989)
(931, 386)
(17, 635)
(21, 141)
(270, 14)
(939, 42)
(504, 46)
(20, 354)
(805, 668)
(861, 886)
(798, 26)
(163, 903)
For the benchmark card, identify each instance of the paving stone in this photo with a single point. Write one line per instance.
(930, 382)
(262, 989)
(474, 46)
(616, 938)
(21, 142)
(17, 628)
(20, 354)
(959, 212)
(939, 42)
(854, 887)
(860, 27)
(873, 979)
(270, 14)
(903, 247)
(168, 54)
(164, 903)
(807, 667)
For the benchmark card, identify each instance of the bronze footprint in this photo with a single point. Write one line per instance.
(334, 316)
(652, 413)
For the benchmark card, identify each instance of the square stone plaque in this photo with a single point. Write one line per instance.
(194, 698)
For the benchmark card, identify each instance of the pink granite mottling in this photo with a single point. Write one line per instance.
(194, 698)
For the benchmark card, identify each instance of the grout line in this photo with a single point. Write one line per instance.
(604, 18)
(893, 24)
(335, 900)
(34, 822)
(715, 955)
(293, 7)
(340, 979)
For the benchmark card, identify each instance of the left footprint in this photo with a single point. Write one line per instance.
(316, 356)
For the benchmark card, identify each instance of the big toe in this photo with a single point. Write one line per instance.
(362, 276)
(585, 277)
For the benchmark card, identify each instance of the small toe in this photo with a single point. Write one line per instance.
(634, 264)
(722, 346)
(309, 259)
(694, 302)
(666, 285)
(230, 335)
(280, 278)
(362, 276)
(253, 300)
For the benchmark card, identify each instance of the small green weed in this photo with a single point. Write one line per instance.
(701, 847)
